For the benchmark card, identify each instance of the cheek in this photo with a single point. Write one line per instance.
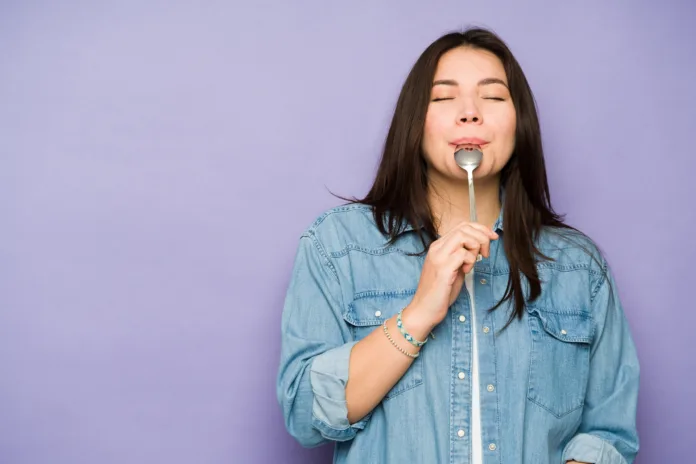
(432, 133)
(435, 128)
(432, 126)
(505, 129)
(510, 125)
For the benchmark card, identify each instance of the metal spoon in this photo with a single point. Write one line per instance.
(470, 160)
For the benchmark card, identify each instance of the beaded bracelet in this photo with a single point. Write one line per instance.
(407, 335)
(386, 332)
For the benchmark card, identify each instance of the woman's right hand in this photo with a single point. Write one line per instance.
(448, 260)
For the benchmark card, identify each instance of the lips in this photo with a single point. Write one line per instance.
(468, 143)
(469, 140)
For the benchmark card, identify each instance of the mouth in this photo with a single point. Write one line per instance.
(468, 146)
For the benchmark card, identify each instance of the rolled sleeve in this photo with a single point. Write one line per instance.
(589, 448)
(328, 377)
(315, 351)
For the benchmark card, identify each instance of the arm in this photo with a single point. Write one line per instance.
(376, 366)
(607, 433)
(327, 384)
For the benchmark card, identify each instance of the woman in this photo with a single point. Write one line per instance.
(401, 344)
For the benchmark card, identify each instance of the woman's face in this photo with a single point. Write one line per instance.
(470, 104)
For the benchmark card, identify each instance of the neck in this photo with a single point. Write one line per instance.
(449, 202)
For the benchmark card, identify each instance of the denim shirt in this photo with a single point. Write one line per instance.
(559, 384)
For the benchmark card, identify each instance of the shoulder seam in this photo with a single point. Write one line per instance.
(600, 282)
(338, 209)
(322, 251)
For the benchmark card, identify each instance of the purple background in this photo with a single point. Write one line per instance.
(158, 162)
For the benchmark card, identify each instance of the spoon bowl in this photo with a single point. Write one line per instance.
(468, 159)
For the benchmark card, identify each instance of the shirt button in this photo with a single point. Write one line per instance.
(484, 281)
(486, 330)
(378, 313)
(460, 433)
(462, 319)
(462, 375)
(563, 332)
(491, 388)
(492, 447)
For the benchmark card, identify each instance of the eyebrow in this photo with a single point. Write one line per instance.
(486, 81)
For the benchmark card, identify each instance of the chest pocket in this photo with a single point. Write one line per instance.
(560, 359)
(367, 313)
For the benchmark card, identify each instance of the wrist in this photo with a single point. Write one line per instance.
(416, 323)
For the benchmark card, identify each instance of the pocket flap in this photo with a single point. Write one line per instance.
(575, 327)
(373, 308)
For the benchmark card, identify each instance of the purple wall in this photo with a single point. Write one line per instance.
(157, 164)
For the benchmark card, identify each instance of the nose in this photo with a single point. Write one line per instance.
(469, 114)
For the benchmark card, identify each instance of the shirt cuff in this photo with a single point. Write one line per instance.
(585, 447)
(328, 376)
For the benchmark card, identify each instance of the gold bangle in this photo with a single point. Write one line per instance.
(386, 332)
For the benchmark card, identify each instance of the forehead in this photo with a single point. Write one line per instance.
(469, 64)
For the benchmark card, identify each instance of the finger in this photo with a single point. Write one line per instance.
(460, 258)
(467, 268)
(459, 240)
(486, 230)
(476, 225)
(488, 233)
(471, 238)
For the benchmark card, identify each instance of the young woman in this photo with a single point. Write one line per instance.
(401, 344)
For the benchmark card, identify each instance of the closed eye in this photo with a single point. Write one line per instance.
(494, 98)
(442, 99)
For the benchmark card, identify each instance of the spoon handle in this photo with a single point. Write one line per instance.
(472, 207)
(472, 200)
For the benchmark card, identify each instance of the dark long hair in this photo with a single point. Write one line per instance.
(399, 192)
